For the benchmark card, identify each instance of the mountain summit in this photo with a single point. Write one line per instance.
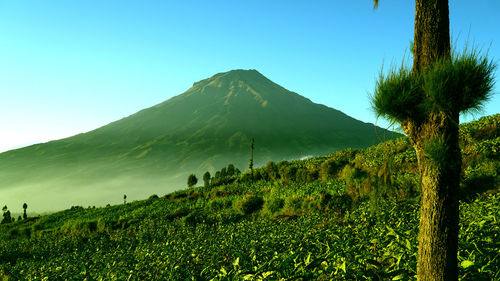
(203, 129)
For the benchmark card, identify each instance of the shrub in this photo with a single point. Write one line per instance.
(13, 232)
(312, 175)
(26, 231)
(195, 217)
(294, 204)
(272, 170)
(206, 179)
(250, 204)
(79, 226)
(220, 204)
(357, 180)
(331, 167)
(104, 224)
(301, 175)
(230, 217)
(407, 185)
(337, 203)
(192, 180)
(178, 213)
(325, 200)
(274, 205)
(194, 195)
(342, 203)
(37, 226)
(289, 174)
(177, 194)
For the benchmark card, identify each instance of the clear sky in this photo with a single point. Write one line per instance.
(71, 66)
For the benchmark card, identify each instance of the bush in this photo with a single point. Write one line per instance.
(294, 204)
(250, 204)
(192, 180)
(337, 203)
(195, 217)
(105, 224)
(14, 232)
(301, 175)
(230, 217)
(79, 226)
(220, 204)
(274, 205)
(206, 179)
(289, 174)
(178, 213)
(313, 175)
(407, 185)
(152, 197)
(180, 194)
(272, 170)
(26, 231)
(331, 167)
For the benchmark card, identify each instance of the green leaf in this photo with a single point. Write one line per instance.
(343, 267)
(467, 264)
(398, 277)
(308, 259)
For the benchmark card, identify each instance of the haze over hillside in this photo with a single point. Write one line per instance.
(153, 150)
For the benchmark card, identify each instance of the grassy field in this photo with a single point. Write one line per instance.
(351, 215)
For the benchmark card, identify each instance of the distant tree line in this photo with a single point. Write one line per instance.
(7, 217)
(226, 175)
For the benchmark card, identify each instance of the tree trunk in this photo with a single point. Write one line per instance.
(432, 32)
(438, 153)
(439, 162)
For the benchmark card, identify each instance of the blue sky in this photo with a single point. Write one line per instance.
(71, 66)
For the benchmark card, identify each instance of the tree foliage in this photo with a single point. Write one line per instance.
(192, 180)
(206, 179)
(463, 82)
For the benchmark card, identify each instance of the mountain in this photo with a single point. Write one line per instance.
(203, 129)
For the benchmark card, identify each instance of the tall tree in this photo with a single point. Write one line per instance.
(231, 170)
(439, 205)
(250, 164)
(192, 180)
(6, 215)
(206, 179)
(427, 101)
(25, 206)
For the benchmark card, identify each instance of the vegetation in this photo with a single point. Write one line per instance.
(427, 100)
(250, 164)
(192, 180)
(6, 215)
(341, 217)
(25, 206)
(226, 175)
(206, 179)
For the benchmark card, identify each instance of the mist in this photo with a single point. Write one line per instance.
(56, 195)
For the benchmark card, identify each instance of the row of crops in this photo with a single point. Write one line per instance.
(360, 245)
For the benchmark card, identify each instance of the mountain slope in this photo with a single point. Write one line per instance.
(205, 128)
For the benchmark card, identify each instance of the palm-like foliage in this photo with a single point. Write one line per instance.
(462, 83)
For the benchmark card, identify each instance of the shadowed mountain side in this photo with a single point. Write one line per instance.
(205, 128)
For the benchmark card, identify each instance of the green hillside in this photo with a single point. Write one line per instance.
(203, 129)
(349, 215)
